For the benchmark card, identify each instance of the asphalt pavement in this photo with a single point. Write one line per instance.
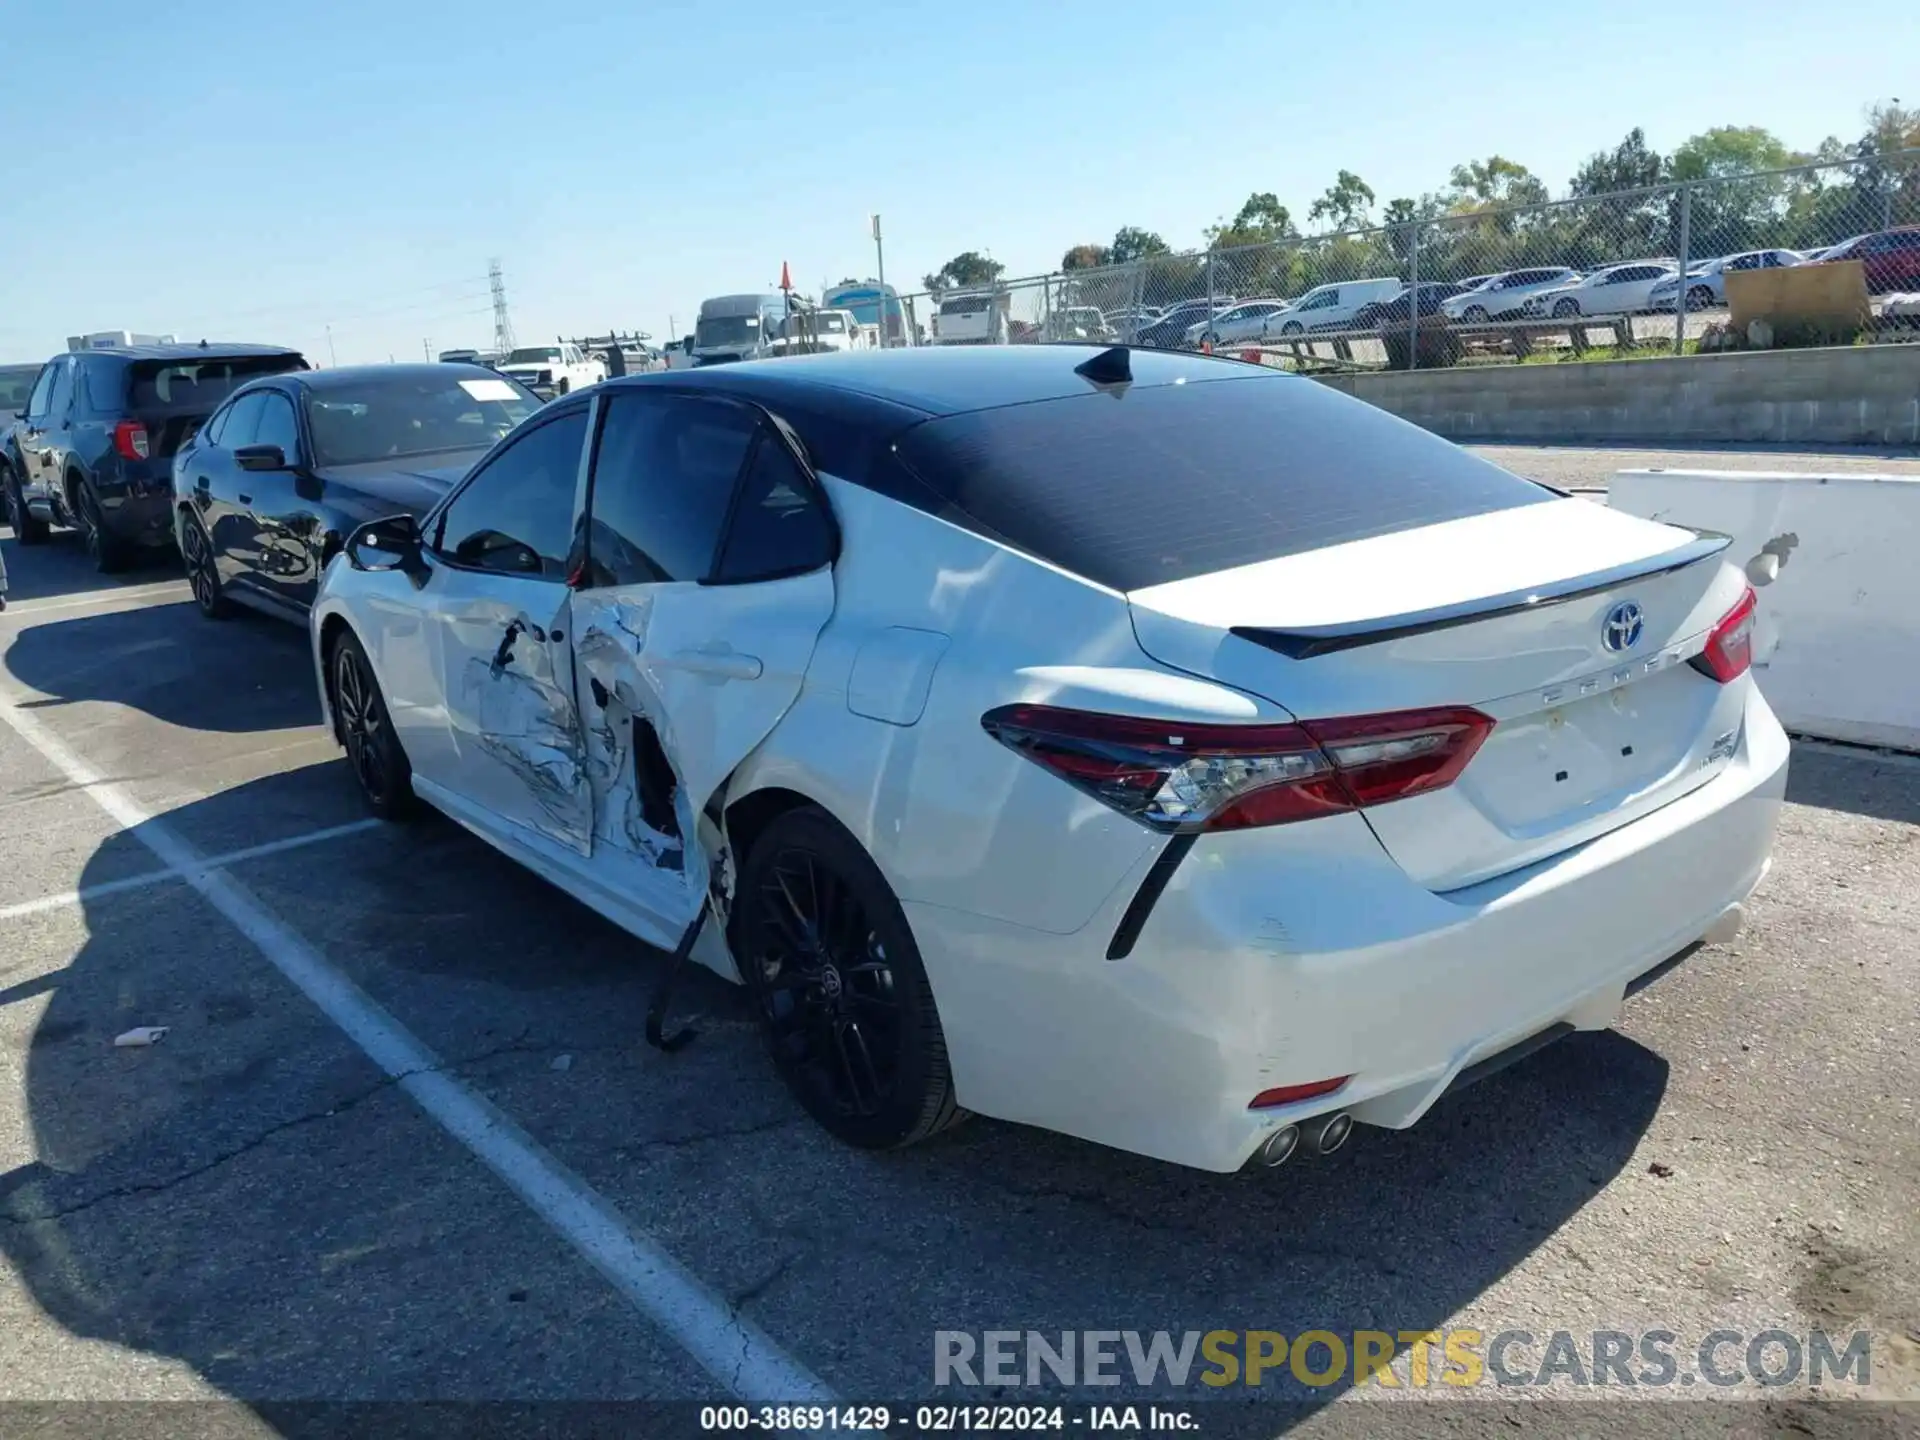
(403, 1139)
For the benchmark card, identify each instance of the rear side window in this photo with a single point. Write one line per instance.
(201, 384)
(1147, 486)
(778, 526)
(662, 479)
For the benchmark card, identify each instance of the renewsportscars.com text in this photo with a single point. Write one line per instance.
(1400, 1359)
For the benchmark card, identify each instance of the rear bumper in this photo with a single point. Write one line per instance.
(1302, 953)
(144, 518)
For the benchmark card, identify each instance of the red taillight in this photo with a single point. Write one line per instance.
(1174, 776)
(1288, 1094)
(1730, 647)
(130, 440)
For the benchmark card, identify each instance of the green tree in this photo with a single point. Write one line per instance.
(1630, 165)
(1726, 213)
(1130, 243)
(1260, 221)
(1347, 203)
(963, 272)
(1086, 257)
(1493, 183)
(1613, 226)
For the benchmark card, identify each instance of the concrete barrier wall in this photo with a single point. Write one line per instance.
(1859, 395)
(1830, 557)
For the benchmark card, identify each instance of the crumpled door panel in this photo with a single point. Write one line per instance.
(639, 804)
(521, 713)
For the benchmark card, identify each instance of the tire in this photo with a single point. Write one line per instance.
(379, 765)
(1475, 315)
(1700, 297)
(835, 978)
(28, 529)
(563, 387)
(1565, 309)
(196, 549)
(1292, 327)
(108, 552)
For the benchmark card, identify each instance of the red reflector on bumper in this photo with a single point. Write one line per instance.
(1288, 1094)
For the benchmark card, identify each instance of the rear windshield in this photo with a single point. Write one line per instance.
(199, 384)
(1145, 486)
(413, 412)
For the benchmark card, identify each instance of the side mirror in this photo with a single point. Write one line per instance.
(392, 543)
(260, 457)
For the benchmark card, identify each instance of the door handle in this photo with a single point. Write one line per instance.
(724, 664)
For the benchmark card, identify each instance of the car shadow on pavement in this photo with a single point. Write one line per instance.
(60, 567)
(252, 1198)
(1862, 782)
(236, 676)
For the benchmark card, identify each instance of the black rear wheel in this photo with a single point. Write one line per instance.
(843, 1000)
(366, 731)
(27, 529)
(202, 574)
(108, 552)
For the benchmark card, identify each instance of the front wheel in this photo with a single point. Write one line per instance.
(1476, 315)
(366, 731)
(1700, 298)
(27, 528)
(563, 387)
(1562, 309)
(844, 1003)
(1292, 327)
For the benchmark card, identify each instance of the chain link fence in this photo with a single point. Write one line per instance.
(1633, 272)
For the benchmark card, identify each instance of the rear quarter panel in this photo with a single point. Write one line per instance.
(952, 817)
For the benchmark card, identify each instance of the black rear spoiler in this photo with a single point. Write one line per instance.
(1308, 641)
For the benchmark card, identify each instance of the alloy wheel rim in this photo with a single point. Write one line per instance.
(828, 989)
(360, 724)
(89, 525)
(200, 567)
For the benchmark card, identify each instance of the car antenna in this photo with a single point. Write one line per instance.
(1112, 366)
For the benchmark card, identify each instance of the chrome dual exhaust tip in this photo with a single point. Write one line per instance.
(1321, 1135)
(1278, 1147)
(1327, 1133)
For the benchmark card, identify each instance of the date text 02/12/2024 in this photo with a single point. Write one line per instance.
(945, 1419)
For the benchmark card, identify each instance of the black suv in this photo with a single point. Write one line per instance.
(92, 448)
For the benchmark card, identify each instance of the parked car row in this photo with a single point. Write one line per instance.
(248, 460)
(1891, 259)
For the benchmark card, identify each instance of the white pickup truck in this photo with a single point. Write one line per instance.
(550, 370)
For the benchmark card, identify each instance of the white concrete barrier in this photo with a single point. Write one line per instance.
(1835, 563)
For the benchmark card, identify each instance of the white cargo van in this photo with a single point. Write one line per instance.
(738, 327)
(1331, 307)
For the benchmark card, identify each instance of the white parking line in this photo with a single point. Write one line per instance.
(728, 1346)
(167, 873)
(165, 590)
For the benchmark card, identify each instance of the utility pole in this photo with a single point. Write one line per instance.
(426, 349)
(880, 269)
(502, 325)
(332, 359)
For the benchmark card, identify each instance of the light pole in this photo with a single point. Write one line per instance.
(332, 359)
(880, 267)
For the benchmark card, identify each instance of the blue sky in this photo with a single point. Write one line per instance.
(259, 171)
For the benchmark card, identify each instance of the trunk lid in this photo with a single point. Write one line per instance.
(1508, 612)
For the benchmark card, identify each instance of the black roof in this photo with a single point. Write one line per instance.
(338, 376)
(933, 380)
(198, 350)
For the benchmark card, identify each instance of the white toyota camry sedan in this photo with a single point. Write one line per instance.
(1155, 748)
